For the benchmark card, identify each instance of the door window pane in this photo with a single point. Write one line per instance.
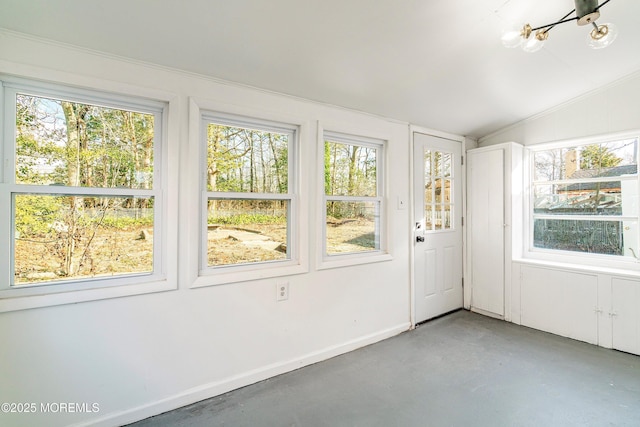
(439, 183)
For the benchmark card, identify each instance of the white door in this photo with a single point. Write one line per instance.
(486, 222)
(438, 227)
(625, 318)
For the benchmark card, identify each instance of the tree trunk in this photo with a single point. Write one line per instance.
(76, 142)
(353, 168)
(276, 162)
(252, 173)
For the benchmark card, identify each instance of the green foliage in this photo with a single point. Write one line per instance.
(248, 218)
(350, 170)
(126, 223)
(598, 156)
(35, 215)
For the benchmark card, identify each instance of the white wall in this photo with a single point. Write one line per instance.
(585, 303)
(610, 109)
(594, 305)
(141, 355)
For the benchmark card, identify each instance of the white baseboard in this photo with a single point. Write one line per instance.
(216, 388)
(486, 313)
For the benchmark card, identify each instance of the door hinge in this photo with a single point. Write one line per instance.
(462, 160)
(463, 282)
(462, 219)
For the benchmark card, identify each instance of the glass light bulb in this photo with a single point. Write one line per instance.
(533, 44)
(512, 37)
(602, 37)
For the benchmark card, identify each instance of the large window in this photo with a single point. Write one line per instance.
(81, 182)
(248, 208)
(353, 194)
(584, 198)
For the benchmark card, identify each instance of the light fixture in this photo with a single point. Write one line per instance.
(586, 13)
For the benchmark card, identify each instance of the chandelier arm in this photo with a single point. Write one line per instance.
(548, 27)
(564, 19)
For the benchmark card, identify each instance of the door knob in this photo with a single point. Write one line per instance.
(419, 239)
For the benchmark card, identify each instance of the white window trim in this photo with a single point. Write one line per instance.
(366, 138)
(164, 276)
(198, 274)
(570, 258)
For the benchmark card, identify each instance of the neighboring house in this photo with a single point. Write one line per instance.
(591, 194)
(607, 187)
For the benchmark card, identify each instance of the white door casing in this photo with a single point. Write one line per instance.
(438, 226)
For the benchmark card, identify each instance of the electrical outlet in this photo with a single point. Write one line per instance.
(282, 290)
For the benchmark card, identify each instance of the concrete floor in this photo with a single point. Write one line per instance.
(460, 370)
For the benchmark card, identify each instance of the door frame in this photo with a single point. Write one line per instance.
(412, 247)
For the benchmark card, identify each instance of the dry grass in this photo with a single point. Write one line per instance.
(113, 252)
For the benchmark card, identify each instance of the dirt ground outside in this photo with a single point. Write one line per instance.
(267, 242)
(111, 252)
(115, 252)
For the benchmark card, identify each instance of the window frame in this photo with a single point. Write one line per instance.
(47, 293)
(327, 260)
(199, 274)
(566, 256)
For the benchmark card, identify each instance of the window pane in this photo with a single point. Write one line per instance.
(82, 145)
(439, 218)
(597, 237)
(78, 237)
(430, 217)
(350, 170)
(446, 217)
(246, 160)
(428, 172)
(246, 231)
(597, 180)
(550, 165)
(446, 164)
(610, 159)
(351, 227)
(595, 198)
(437, 164)
(438, 190)
(446, 191)
(438, 186)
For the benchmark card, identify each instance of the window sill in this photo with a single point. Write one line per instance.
(338, 261)
(235, 274)
(632, 272)
(25, 302)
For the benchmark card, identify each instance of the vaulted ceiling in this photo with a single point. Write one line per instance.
(434, 63)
